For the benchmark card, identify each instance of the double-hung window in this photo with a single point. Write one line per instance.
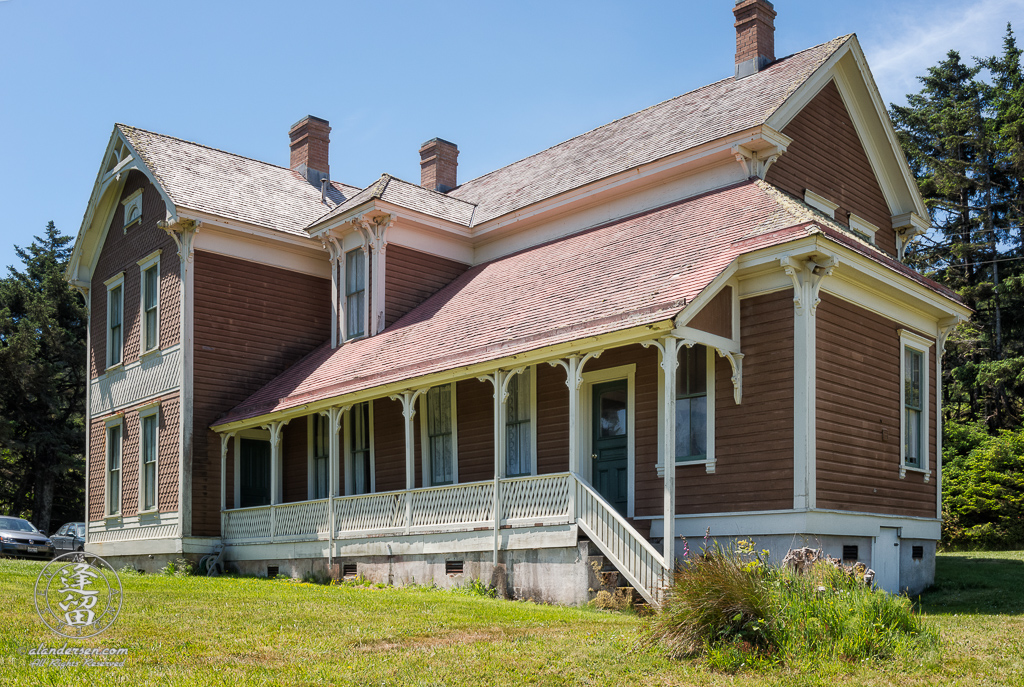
(359, 445)
(914, 398)
(150, 310)
(148, 445)
(692, 404)
(355, 293)
(321, 451)
(439, 436)
(115, 320)
(518, 430)
(114, 468)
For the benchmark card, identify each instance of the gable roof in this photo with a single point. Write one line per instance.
(394, 190)
(213, 181)
(630, 272)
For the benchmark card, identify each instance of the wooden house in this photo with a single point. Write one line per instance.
(486, 380)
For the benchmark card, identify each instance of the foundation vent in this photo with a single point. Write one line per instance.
(271, 571)
(349, 571)
(917, 552)
(850, 553)
(453, 567)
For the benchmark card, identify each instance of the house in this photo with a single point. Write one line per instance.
(486, 379)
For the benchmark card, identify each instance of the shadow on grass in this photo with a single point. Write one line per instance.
(975, 584)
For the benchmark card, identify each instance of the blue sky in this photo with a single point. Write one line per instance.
(503, 80)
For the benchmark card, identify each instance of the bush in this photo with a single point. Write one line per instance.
(179, 567)
(735, 610)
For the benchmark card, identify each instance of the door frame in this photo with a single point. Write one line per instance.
(586, 427)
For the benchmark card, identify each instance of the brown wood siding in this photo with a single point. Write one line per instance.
(411, 276)
(295, 469)
(754, 440)
(476, 429)
(552, 420)
(251, 323)
(388, 444)
(120, 253)
(827, 157)
(166, 466)
(858, 425)
(716, 316)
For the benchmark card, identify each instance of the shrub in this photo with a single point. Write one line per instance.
(735, 610)
(179, 567)
(476, 588)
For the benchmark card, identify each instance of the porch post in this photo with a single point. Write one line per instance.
(408, 399)
(334, 416)
(669, 363)
(276, 440)
(225, 441)
(573, 367)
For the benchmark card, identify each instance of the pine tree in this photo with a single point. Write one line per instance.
(42, 400)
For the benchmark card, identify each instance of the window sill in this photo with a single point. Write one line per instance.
(151, 353)
(149, 511)
(904, 469)
(709, 466)
(114, 368)
(108, 518)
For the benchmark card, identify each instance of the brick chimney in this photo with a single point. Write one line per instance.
(439, 160)
(755, 36)
(310, 139)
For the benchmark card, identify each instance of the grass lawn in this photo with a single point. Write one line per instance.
(193, 631)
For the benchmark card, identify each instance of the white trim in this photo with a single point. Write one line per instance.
(917, 343)
(149, 410)
(610, 374)
(862, 226)
(151, 260)
(109, 424)
(821, 203)
(112, 284)
(425, 462)
(131, 204)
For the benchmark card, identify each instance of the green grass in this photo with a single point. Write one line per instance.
(196, 631)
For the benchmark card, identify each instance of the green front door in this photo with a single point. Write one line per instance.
(610, 436)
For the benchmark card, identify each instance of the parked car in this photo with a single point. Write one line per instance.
(70, 537)
(20, 538)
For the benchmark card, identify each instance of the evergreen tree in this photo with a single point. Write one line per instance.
(42, 400)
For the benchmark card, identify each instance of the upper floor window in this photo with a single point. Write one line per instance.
(518, 430)
(150, 307)
(692, 382)
(355, 293)
(132, 209)
(914, 399)
(115, 320)
(148, 446)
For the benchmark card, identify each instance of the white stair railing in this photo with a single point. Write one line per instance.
(624, 547)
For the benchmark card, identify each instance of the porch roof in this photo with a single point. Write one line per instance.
(626, 273)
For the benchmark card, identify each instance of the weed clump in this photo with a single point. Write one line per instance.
(734, 609)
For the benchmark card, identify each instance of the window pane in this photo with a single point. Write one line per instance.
(355, 292)
(613, 413)
(698, 426)
(150, 286)
(150, 495)
(912, 449)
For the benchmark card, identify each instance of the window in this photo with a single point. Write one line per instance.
(359, 444)
(115, 320)
(132, 209)
(114, 469)
(692, 404)
(355, 293)
(821, 203)
(438, 432)
(149, 450)
(150, 310)
(864, 228)
(518, 429)
(914, 399)
(850, 552)
(321, 451)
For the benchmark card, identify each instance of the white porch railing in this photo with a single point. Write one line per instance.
(525, 502)
(627, 550)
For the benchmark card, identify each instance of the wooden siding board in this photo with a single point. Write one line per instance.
(295, 461)
(552, 420)
(858, 415)
(476, 430)
(251, 322)
(716, 316)
(388, 444)
(827, 157)
(411, 276)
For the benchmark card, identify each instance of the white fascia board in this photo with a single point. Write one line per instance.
(754, 138)
(261, 245)
(707, 295)
(622, 337)
(786, 522)
(428, 222)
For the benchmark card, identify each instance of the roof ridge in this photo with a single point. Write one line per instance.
(637, 112)
(430, 190)
(840, 41)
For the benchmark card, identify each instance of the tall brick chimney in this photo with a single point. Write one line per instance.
(439, 160)
(310, 139)
(755, 36)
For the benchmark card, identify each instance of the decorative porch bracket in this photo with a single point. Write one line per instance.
(668, 346)
(408, 399)
(807, 279)
(726, 348)
(499, 379)
(573, 367)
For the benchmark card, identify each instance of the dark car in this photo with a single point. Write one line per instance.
(70, 537)
(19, 538)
